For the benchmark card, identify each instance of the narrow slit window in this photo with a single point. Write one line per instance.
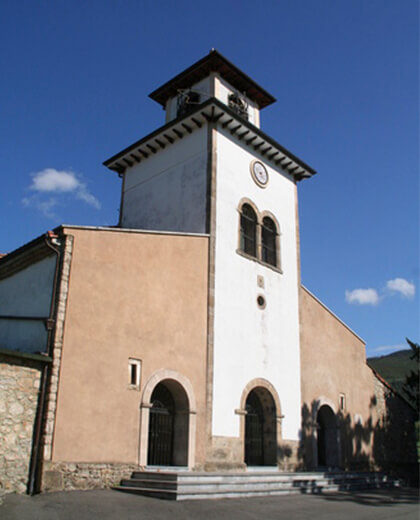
(248, 238)
(268, 242)
(134, 372)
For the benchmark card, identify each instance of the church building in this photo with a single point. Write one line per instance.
(182, 337)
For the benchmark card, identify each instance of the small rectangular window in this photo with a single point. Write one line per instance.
(134, 373)
(342, 402)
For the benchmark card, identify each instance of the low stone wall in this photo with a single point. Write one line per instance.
(58, 476)
(19, 388)
(225, 454)
(288, 455)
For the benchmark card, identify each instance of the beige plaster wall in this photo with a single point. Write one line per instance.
(333, 361)
(333, 358)
(131, 295)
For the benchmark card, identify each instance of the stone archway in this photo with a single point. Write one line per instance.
(168, 425)
(327, 438)
(260, 423)
(167, 421)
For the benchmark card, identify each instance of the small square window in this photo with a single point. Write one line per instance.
(134, 373)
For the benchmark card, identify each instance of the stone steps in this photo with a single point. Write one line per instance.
(192, 486)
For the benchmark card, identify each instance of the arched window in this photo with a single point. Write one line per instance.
(259, 235)
(268, 241)
(248, 239)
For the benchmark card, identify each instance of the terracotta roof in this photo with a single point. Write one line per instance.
(213, 62)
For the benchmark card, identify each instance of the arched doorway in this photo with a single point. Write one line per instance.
(260, 428)
(327, 440)
(168, 425)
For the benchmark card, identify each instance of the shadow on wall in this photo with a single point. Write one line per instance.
(385, 441)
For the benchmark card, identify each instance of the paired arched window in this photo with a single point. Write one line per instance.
(248, 230)
(258, 237)
(268, 241)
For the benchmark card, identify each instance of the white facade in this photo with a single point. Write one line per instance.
(250, 342)
(167, 191)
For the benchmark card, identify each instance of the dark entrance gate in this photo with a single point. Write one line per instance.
(161, 427)
(327, 441)
(254, 431)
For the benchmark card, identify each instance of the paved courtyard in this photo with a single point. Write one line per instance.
(107, 505)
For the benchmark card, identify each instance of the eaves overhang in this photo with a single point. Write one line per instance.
(24, 256)
(213, 62)
(211, 111)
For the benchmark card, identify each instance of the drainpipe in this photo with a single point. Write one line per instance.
(121, 176)
(35, 465)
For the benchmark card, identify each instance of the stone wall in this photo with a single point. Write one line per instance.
(61, 305)
(225, 454)
(288, 455)
(19, 389)
(58, 476)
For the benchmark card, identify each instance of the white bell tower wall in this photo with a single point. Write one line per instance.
(250, 342)
(167, 191)
(222, 91)
(214, 86)
(205, 90)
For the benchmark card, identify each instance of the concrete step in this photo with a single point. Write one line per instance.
(153, 475)
(150, 483)
(191, 485)
(166, 494)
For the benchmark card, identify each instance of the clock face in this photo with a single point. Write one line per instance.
(259, 172)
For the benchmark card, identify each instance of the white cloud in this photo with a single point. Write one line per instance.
(362, 296)
(402, 286)
(54, 180)
(62, 184)
(390, 348)
(44, 206)
(83, 194)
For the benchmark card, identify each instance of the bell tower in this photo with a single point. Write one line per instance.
(210, 169)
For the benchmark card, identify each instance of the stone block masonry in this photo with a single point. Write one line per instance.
(58, 476)
(19, 388)
(57, 347)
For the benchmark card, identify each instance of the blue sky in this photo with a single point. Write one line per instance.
(75, 81)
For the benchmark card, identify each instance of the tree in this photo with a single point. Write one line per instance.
(411, 384)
